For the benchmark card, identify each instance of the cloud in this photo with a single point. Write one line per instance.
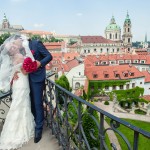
(79, 14)
(38, 25)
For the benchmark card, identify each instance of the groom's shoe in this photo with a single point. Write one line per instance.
(37, 137)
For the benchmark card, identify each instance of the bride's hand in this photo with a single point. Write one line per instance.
(15, 77)
(23, 71)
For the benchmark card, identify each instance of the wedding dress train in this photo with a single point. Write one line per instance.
(19, 124)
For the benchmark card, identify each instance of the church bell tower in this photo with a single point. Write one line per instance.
(127, 35)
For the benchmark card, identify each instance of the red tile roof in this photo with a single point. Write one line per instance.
(146, 97)
(69, 65)
(147, 76)
(91, 59)
(110, 70)
(95, 39)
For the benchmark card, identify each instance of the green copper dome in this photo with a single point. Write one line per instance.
(112, 25)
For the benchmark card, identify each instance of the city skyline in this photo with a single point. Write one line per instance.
(70, 17)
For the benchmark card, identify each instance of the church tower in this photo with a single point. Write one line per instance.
(127, 36)
(5, 23)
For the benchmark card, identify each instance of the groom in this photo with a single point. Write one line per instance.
(37, 84)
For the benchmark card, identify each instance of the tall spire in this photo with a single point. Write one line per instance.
(146, 38)
(127, 20)
(4, 18)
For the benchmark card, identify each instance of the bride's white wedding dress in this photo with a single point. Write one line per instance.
(19, 124)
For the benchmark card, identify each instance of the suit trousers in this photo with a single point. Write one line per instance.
(36, 93)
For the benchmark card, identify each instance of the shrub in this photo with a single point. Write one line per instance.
(106, 103)
(89, 125)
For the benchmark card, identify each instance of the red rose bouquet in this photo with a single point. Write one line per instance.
(29, 65)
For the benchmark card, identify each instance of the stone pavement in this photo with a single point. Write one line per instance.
(109, 109)
(48, 142)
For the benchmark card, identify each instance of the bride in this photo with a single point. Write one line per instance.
(19, 124)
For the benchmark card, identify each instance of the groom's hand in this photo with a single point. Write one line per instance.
(38, 64)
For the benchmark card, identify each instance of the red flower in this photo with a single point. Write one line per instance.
(32, 51)
(29, 65)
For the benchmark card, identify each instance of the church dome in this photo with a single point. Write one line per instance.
(113, 26)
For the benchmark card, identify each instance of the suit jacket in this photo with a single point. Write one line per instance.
(41, 54)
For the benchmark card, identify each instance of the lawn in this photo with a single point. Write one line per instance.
(144, 143)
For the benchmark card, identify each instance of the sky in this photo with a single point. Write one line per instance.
(78, 17)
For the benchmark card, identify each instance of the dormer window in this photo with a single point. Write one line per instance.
(131, 73)
(97, 63)
(125, 74)
(106, 75)
(95, 75)
(142, 61)
(117, 75)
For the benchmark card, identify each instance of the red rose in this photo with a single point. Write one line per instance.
(29, 65)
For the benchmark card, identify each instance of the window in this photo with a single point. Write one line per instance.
(113, 50)
(140, 82)
(104, 62)
(117, 75)
(135, 61)
(84, 51)
(121, 87)
(101, 50)
(96, 63)
(56, 76)
(121, 61)
(95, 50)
(133, 85)
(107, 50)
(127, 86)
(79, 73)
(142, 61)
(128, 40)
(77, 85)
(110, 36)
(131, 73)
(116, 35)
(114, 87)
(95, 75)
(128, 61)
(128, 29)
(88, 51)
(106, 75)
(125, 74)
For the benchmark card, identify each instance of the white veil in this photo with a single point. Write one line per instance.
(12, 54)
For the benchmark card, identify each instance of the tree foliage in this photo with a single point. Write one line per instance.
(90, 127)
(3, 37)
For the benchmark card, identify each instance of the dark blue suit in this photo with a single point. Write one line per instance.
(37, 83)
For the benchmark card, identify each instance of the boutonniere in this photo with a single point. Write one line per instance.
(32, 51)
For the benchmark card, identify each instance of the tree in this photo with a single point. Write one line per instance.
(90, 127)
(3, 37)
